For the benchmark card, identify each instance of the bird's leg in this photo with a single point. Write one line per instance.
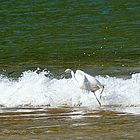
(97, 99)
(101, 92)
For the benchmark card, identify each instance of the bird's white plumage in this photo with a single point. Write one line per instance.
(93, 83)
(86, 82)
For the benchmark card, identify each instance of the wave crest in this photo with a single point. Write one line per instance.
(37, 89)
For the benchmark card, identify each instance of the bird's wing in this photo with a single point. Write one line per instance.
(94, 83)
(82, 81)
(90, 78)
(86, 84)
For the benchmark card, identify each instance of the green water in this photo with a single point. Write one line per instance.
(98, 36)
(85, 34)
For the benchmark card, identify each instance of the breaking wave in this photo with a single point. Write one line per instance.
(39, 89)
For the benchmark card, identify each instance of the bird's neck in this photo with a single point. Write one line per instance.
(72, 74)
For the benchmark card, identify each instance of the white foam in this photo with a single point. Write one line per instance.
(38, 90)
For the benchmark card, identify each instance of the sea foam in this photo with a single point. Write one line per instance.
(37, 89)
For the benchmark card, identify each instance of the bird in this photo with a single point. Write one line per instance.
(86, 82)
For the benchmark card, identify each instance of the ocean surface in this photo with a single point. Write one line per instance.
(39, 39)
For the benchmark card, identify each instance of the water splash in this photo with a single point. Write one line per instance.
(37, 89)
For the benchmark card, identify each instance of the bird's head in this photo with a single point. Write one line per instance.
(68, 71)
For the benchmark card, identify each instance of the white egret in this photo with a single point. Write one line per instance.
(86, 82)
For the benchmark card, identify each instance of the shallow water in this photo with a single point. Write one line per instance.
(67, 123)
(99, 37)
